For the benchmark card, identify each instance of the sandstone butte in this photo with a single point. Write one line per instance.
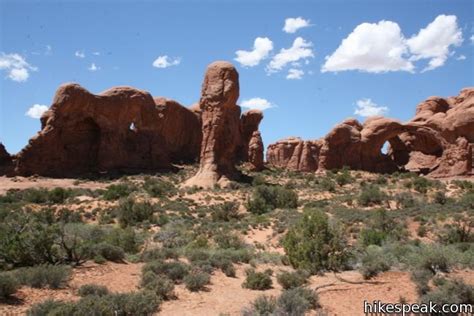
(126, 130)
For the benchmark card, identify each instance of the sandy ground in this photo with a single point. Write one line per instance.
(22, 183)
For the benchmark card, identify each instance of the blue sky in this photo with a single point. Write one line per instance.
(333, 60)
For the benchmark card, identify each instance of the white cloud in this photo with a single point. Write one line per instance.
(434, 41)
(300, 49)
(96, 53)
(461, 57)
(16, 67)
(294, 73)
(294, 24)
(472, 39)
(93, 67)
(262, 46)
(80, 54)
(366, 108)
(371, 47)
(165, 61)
(381, 47)
(257, 103)
(36, 111)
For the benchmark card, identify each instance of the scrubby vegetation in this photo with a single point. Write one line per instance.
(186, 238)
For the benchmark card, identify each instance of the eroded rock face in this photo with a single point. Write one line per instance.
(436, 142)
(5, 160)
(255, 152)
(122, 129)
(221, 127)
(250, 122)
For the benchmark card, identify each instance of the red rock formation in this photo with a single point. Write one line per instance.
(121, 129)
(5, 160)
(255, 151)
(294, 154)
(250, 121)
(436, 141)
(220, 126)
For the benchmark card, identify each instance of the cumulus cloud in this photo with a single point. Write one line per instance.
(371, 47)
(257, 103)
(472, 39)
(294, 73)
(461, 57)
(381, 47)
(294, 24)
(165, 61)
(36, 111)
(434, 41)
(300, 50)
(366, 108)
(93, 67)
(80, 54)
(262, 46)
(16, 67)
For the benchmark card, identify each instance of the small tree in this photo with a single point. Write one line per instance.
(315, 245)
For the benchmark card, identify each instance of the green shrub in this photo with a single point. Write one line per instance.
(117, 191)
(450, 292)
(161, 285)
(371, 195)
(327, 185)
(266, 198)
(136, 303)
(257, 280)
(344, 177)
(228, 268)
(174, 270)
(196, 281)
(131, 212)
(8, 285)
(92, 289)
(421, 184)
(109, 252)
(297, 301)
(373, 262)
(159, 188)
(289, 280)
(382, 226)
(468, 200)
(42, 276)
(459, 231)
(313, 244)
(51, 307)
(225, 212)
(262, 306)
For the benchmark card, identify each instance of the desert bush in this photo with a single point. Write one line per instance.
(42, 276)
(297, 301)
(227, 240)
(381, 227)
(161, 285)
(371, 195)
(266, 198)
(404, 200)
(131, 212)
(263, 306)
(315, 245)
(374, 261)
(196, 281)
(257, 280)
(109, 252)
(327, 184)
(289, 280)
(450, 292)
(159, 188)
(459, 231)
(228, 268)
(159, 254)
(468, 200)
(344, 177)
(51, 307)
(117, 191)
(421, 184)
(92, 289)
(225, 212)
(174, 270)
(8, 285)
